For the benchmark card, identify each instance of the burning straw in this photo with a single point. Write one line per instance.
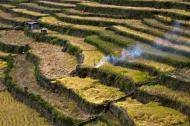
(126, 54)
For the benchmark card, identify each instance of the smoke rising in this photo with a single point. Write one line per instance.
(171, 35)
(137, 51)
(126, 54)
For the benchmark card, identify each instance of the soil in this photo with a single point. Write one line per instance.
(54, 62)
(60, 102)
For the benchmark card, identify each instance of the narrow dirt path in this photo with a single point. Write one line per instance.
(23, 74)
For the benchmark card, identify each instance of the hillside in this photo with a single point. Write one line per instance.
(101, 62)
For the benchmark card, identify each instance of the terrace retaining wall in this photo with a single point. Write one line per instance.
(45, 82)
(35, 101)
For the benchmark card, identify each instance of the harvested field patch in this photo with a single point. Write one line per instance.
(88, 50)
(62, 103)
(101, 62)
(54, 62)
(52, 56)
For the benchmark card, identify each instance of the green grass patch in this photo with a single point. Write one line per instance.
(170, 20)
(18, 1)
(91, 90)
(157, 33)
(129, 11)
(56, 4)
(36, 7)
(165, 27)
(28, 12)
(104, 46)
(69, 28)
(97, 21)
(152, 114)
(161, 67)
(163, 91)
(136, 76)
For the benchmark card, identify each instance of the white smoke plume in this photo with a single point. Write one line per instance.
(136, 51)
(171, 35)
(126, 54)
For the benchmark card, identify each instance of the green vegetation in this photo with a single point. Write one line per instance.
(165, 27)
(51, 55)
(135, 75)
(2, 26)
(11, 19)
(169, 20)
(56, 4)
(161, 67)
(129, 11)
(18, 1)
(176, 99)
(91, 90)
(74, 29)
(36, 7)
(97, 21)
(105, 120)
(28, 13)
(152, 114)
(104, 46)
(87, 50)
(64, 74)
(12, 111)
(148, 3)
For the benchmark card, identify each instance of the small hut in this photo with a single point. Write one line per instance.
(44, 30)
(32, 25)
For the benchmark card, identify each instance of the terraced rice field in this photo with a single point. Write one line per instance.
(14, 112)
(17, 114)
(51, 55)
(101, 63)
(60, 102)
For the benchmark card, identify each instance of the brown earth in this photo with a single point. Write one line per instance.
(54, 62)
(60, 102)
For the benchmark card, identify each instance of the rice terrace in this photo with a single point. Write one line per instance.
(94, 63)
